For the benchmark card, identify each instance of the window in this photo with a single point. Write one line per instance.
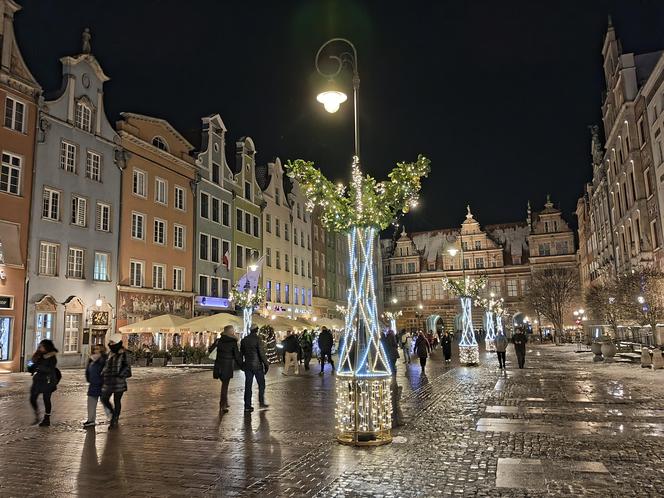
(239, 218)
(294, 235)
(301, 238)
(225, 214)
(295, 266)
(51, 204)
(256, 225)
(225, 287)
(215, 246)
(179, 198)
(159, 232)
(653, 234)
(268, 257)
(466, 264)
(160, 143)
(268, 291)
(278, 265)
(216, 178)
(215, 210)
(646, 180)
(545, 249)
(302, 267)
(5, 337)
(412, 293)
(68, 157)
(75, 263)
(14, 114)
(247, 223)
(247, 190)
(277, 196)
(299, 212)
(103, 217)
(562, 247)
(512, 288)
(203, 285)
(286, 231)
(138, 183)
(160, 191)
(398, 268)
(158, 276)
(239, 256)
(203, 249)
(214, 286)
(178, 278)
(10, 174)
(101, 270)
(309, 269)
(205, 206)
(286, 293)
(248, 256)
(48, 259)
(137, 226)
(78, 210)
(44, 327)
(277, 231)
(479, 262)
(295, 295)
(178, 236)
(268, 223)
(226, 252)
(286, 262)
(277, 296)
(411, 267)
(478, 244)
(315, 232)
(309, 241)
(136, 273)
(83, 117)
(93, 166)
(72, 332)
(641, 132)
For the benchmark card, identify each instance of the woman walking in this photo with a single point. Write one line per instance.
(93, 374)
(115, 374)
(447, 346)
(501, 348)
(422, 349)
(45, 378)
(228, 357)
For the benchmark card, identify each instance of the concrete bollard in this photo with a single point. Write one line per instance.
(646, 360)
(657, 360)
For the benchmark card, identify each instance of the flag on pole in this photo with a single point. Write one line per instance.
(227, 260)
(250, 279)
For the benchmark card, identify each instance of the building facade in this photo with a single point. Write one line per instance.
(75, 225)
(213, 234)
(19, 93)
(157, 221)
(551, 240)
(300, 250)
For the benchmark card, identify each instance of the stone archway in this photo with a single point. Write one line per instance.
(434, 323)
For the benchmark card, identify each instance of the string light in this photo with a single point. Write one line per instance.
(467, 289)
(248, 300)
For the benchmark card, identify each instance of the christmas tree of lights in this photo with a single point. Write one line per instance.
(247, 300)
(467, 289)
(492, 309)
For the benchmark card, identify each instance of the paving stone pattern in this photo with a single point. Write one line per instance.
(562, 426)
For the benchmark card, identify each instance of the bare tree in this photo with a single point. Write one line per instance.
(551, 294)
(603, 302)
(641, 297)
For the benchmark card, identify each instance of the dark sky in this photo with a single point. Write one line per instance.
(497, 94)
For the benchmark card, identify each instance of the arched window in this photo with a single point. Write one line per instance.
(160, 143)
(83, 117)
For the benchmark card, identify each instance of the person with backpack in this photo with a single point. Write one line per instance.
(93, 375)
(306, 345)
(45, 379)
(228, 357)
(115, 374)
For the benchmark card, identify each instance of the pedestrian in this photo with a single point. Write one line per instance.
(519, 339)
(391, 349)
(409, 347)
(255, 365)
(501, 348)
(325, 343)
(291, 347)
(405, 345)
(228, 358)
(446, 341)
(306, 346)
(93, 375)
(45, 379)
(422, 349)
(115, 373)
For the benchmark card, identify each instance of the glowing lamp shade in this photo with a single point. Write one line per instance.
(332, 99)
(452, 251)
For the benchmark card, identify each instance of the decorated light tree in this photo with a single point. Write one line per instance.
(392, 316)
(267, 335)
(247, 299)
(492, 310)
(467, 289)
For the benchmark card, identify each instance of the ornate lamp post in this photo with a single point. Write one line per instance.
(364, 409)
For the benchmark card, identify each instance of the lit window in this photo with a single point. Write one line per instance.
(101, 270)
(72, 332)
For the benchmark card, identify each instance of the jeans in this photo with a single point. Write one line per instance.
(223, 399)
(406, 354)
(92, 408)
(501, 358)
(323, 355)
(291, 364)
(34, 394)
(114, 408)
(521, 358)
(248, 384)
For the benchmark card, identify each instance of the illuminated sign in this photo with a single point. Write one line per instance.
(211, 302)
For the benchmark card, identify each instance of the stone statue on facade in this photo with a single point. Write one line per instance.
(596, 145)
(85, 41)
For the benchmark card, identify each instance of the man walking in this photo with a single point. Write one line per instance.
(520, 339)
(501, 348)
(405, 346)
(306, 345)
(255, 365)
(291, 348)
(325, 342)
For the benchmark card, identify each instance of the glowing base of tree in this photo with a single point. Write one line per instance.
(364, 404)
(490, 338)
(469, 353)
(246, 315)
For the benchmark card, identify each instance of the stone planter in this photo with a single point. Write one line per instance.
(608, 350)
(158, 362)
(177, 360)
(141, 362)
(596, 348)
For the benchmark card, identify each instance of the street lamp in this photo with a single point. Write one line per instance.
(395, 300)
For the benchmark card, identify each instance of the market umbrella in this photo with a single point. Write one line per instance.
(211, 323)
(162, 323)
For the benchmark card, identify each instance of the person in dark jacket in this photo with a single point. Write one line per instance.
(255, 365)
(391, 349)
(422, 349)
(45, 378)
(228, 357)
(115, 374)
(501, 348)
(325, 343)
(519, 339)
(95, 380)
(290, 346)
(306, 346)
(447, 346)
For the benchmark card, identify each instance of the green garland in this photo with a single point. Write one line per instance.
(378, 204)
(247, 299)
(491, 304)
(467, 287)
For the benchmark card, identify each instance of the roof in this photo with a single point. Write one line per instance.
(163, 122)
(645, 63)
(262, 176)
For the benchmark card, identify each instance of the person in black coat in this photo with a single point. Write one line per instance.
(45, 378)
(447, 346)
(115, 373)
(325, 343)
(93, 375)
(228, 357)
(519, 339)
(422, 349)
(391, 349)
(255, 365)
(291, 347)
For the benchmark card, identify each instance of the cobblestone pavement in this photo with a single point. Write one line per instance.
(562, 426)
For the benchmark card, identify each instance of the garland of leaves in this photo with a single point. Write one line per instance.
(392, 315)
(466, 287)
(378, 203)
(247, 298)
(491, 304)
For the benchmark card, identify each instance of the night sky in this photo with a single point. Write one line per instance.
(498, 94)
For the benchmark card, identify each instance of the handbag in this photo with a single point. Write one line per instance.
(213, 354)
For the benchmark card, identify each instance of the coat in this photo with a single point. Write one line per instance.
(520, 339)
(447, 345)
(501, 343)
(291, 344)
(228, 357)
(422, 347)
(325, 341)
(45, 373)
(252, 353)
(94, 376)
(391, 348)
(115, 373)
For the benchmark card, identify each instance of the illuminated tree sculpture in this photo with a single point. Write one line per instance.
(247, 300)
(392, 316)
(467, 289)
(492, 311)
(364, 410)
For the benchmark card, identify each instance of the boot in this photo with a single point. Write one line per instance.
(114, 423)
(37, 418)
(46, 422)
